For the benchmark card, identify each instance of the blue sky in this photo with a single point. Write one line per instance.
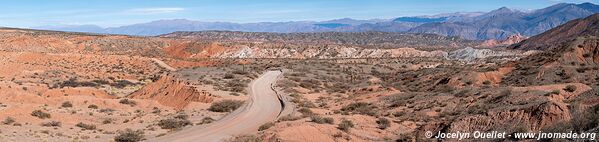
(109, 13)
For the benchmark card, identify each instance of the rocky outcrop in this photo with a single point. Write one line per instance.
(472, 54)
(335, 52)
(172, 92)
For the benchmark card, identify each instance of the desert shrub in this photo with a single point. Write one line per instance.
(225, 105)
(127, 102)
(398, 100)
(360, 108)
(486, 82)
(206, 120)
(67, 104)
(321, 120)
(345, 125)
(8, 121)
(383, 123)
(244, 138)
(229, 76)
(92, 106)
(129, 135)
(570, 88)
(266, 126)
(305, 111)
(107, 121)
(122, 83)
(289, 118)
(182, 116)
(40, 114)
(86, 126)
(52, 124)
(107, 110)
(240, 72)
(173, 123)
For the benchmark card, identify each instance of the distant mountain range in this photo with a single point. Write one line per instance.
(496, 24)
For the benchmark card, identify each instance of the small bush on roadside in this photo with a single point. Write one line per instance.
(129, 135)
(225, 106)
(244, 138)
(206, 120)
(173, 123)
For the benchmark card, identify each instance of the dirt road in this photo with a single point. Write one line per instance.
(264, 106)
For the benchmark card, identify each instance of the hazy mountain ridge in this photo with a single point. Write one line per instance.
(503, 22)
(496, 24)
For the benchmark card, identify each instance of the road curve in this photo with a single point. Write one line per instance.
(263, 106)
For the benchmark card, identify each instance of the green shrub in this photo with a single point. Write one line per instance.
(225, 105)
(129, 135)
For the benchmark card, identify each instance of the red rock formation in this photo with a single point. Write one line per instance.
(172, 92)
(516, 38)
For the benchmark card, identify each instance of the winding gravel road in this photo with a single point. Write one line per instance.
(264, 106)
